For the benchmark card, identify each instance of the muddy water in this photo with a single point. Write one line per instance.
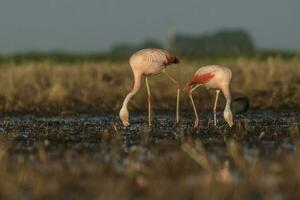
(261, 133)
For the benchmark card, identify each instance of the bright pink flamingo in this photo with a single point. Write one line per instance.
(148, 62)
(216, 77)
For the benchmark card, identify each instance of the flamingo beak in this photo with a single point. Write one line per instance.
(124, 116)
(125, 123)
(177, 61)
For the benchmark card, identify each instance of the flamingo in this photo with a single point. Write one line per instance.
(147, 62)
(216, 77)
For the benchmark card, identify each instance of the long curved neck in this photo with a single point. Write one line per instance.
(226, 92)
(136, 87)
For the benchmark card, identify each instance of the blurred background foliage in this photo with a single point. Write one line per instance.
(224, 43)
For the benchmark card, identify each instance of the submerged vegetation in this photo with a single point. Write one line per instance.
(50, 86)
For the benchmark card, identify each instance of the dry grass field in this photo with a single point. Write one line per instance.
(101, 86)
(87, 154)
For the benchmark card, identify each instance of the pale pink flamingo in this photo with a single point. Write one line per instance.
(148, 62)
(216, 77)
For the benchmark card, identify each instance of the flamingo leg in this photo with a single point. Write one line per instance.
(178, 94)
(215, 107)
(196, 123)
(149, 101)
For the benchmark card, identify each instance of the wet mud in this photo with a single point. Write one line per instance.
(260, 132)
(94, 157)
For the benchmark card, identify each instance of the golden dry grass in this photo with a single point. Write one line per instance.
(54, 87)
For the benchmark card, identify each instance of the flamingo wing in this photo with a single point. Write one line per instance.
(201, 78)
(154, 57)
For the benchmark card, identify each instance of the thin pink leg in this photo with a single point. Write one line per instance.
(215, 107)
(197, 121)
(149, 102)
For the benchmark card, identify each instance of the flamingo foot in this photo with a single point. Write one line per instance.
(197, 123)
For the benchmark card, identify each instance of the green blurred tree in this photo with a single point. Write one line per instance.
(128, 49)
(220, 42)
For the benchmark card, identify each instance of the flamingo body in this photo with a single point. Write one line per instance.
(147, 62)
(151, 61)
(216, 77)
(212, 76)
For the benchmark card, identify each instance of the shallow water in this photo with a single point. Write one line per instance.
(260, 132)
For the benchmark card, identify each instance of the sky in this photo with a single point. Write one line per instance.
(96, 25)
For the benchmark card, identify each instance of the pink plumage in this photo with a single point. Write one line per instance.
(148, 62)
(201, 78)
(151, 61)
(216, 77)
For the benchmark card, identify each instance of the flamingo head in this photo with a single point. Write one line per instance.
(124, 116)
(228, 117)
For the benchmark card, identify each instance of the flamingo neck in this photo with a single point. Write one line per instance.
(136, 87)
(227, 95)
(227, 106)
(227, 111)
